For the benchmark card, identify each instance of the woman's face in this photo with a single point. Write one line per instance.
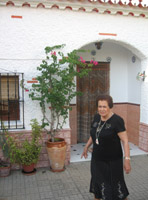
(103, 108)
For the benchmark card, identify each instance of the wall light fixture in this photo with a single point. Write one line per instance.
(141, 76)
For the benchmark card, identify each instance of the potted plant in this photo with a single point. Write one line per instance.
(5, 166)
(26, 152)
(54, 91)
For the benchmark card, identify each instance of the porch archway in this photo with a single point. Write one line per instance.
(125, 63)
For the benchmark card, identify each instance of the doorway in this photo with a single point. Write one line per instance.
(93, 85)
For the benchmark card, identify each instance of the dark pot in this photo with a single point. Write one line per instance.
(5, 170)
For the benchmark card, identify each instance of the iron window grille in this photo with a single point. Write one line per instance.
(11, 101)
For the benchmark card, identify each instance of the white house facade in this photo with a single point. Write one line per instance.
(120, 26)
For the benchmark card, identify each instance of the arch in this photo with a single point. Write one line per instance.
(128, 101)
(10, 3)
(125, 44)
(40, 5)
(25, 4)
(82, 9)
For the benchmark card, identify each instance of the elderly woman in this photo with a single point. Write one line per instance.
(107, 133)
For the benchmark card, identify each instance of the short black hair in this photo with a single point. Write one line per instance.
(107, 98)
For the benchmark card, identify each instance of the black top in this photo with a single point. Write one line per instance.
(109, 147)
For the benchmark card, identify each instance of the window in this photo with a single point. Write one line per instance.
(11, 103)
(9, 98)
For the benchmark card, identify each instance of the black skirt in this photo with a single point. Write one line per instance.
(107, 181)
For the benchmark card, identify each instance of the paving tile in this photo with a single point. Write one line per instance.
(72, 184)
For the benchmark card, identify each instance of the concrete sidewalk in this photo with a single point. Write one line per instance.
(72, 184)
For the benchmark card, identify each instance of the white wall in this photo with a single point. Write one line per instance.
(134, 85)
(22, 43)
(144, 94)
(27, 37)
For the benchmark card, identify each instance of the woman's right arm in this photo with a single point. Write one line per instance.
(88, 144)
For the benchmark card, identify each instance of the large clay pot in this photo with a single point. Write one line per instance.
(57, 154)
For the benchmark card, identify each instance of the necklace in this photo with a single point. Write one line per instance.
(98, 131)
(100, 127)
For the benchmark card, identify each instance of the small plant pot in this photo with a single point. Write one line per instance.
(5, 171)
(28, 169)
(57, 154)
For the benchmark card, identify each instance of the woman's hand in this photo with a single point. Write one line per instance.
(88, 144)
(84, 154)
(124, 138)
(127, 166)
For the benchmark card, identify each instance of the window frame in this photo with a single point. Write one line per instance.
(12, 97)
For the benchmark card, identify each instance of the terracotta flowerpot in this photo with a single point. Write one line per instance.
(5, 171)
(29, 169)
(57, 154)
